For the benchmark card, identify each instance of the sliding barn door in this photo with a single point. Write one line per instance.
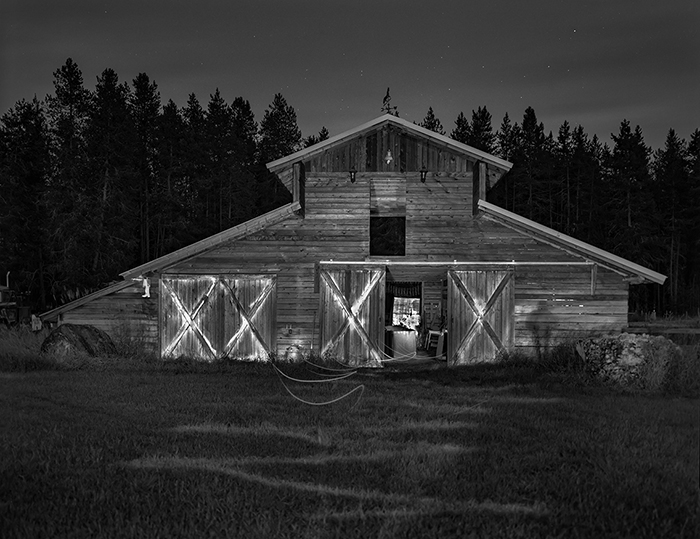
(481, 311)
(352, 314)
(214, 317)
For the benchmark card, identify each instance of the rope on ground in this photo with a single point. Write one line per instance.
(342, 377)
(397, 359)
(360, 388)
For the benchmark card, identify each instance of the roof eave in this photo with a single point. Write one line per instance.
(584, 248)
(248, 227)
(110, 289)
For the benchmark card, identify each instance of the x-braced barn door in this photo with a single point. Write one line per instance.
(212, 317)
(480, 314)
(352, 314)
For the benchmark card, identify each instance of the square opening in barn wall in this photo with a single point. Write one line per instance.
(387, 236)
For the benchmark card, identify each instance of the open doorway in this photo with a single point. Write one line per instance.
(403, 315)
(414, 314)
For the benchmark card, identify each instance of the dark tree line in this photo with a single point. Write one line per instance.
(96, 181)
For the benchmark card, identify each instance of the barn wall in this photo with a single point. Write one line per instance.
(556, 304)
(124, 315)
(410, 154)
(439, 228)
(336, 226)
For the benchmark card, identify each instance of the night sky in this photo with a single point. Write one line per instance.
(592, 63)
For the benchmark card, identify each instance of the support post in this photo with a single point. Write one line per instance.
(479, 192)
(594, 278)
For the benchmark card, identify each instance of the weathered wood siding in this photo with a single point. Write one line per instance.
(409, 154)
(439, 227)
(218, 316)
(352, 314)
(552, 303)
(556, 303)
(480, 307)
(336, 226)
(124, 315)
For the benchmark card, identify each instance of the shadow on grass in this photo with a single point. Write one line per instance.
(492, 374)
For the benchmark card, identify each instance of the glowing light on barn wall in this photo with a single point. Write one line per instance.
(145, 283)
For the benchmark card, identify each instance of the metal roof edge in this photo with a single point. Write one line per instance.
(584, 248)
(250, 226)
(280, 163)
(109, 289)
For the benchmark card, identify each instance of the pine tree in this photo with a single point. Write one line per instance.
(219, 144)
(508, 139)
(110, 237)
(432, 123)
(315, 139)
(25, 167)
(529, 160)
(629, 206)
(672, 192)
(462, 131)
(242, 192)
(585, 171)
(68, 113)
(279, 132)
(564, 194)
(481, 134)
(508, 143)
(145, 109)
(279, 137)
(172, 188)
(630, 167)
(692, 270)
(65, 196)
(195, 164)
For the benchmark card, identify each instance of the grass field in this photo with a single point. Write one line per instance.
(225, 451)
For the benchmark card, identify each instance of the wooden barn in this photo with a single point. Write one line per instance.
(389, 227)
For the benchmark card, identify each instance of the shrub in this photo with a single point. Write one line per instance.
(683, 376)
(563, 357)
(20, 350)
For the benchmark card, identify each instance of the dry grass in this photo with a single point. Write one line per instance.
(20, 350)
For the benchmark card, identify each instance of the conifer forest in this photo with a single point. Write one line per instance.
(96, 181)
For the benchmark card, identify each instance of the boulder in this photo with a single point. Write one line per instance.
(69, 341)
(638, 361)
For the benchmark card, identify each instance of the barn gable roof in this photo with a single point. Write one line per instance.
(560, 240)
(51, 315)
(253, 225)
(249, 227)
(286, 162)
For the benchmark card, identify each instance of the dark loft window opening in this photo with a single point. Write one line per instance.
(387, 236)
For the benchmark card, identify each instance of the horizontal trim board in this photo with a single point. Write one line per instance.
(450, 263)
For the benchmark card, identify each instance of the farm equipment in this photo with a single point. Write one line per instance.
(12, 311)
